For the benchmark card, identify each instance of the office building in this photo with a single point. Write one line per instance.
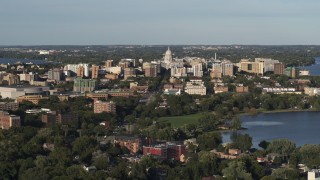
(55, 74)
(197, 70)
(279, 68)
(83, 85)
(129, 72)
(108, 63)
(94, 71)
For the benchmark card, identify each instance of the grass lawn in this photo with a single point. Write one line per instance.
(179, 121)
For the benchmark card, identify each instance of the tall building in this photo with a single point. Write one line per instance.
(94, 71)
(7, 121)
(83, 85)
(250, 67)
(266, 65)
(150, 69)
(279, 68)
(129, 72)
(108, 63)
(55, 74)
(80, 71)
(10, 79)
(197, 70)
(178, 72)
(292, 72)
(100, 106)
(227, 68)
(74, 69)
(216, 71)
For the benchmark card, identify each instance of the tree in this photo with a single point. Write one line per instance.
(236, 170)
(285, 173)
(236, 123)
(310, 155)
(284, 147)
(241, 141)
(208, 141)
(208, 121)
(264, 144)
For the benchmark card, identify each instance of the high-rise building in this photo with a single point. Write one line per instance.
(10, 79)
(55, 74)
(94, 71)
(80, 71)
(129, 72)
(178, 72)
(83, 85)
(249, 66)
(74, 69)
(292, 72)
(279, 68)
(109, 107)
(216, 71)
(7, 121)
(108, 63)
(150, 69)
(197, 70)
(227, 68)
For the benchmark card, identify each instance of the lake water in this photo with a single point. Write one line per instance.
(314, 69)
(299, 127)
(13, 61)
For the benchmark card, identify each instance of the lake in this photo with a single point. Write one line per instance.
(299, 127)
(314, 69)
(13, 61)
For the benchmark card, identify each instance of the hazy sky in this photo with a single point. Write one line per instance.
(103, 22)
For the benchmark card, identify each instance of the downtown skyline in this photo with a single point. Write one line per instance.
(141, 22)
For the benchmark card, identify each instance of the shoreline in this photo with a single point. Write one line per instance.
(277, 111)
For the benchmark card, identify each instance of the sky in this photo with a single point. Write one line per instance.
(159, 22)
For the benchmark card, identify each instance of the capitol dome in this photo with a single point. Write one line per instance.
(168, 56)
(168, 52)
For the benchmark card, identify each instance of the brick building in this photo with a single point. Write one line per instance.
(131, 143)
(7, 121)
(100, 106)
(6, 106)
(53, 118)
(165, 151)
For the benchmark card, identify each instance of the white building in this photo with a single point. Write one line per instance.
(74, 68)
(179, 72)
(311, 91)
(114, 70)
(197, 70)
(13, 92)
(196, 87)
(314, 174)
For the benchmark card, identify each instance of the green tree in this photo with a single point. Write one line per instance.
(208, 141)
(285, 173)
(310, 155)
(284, 147)
(236, 170)
(241, 141)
